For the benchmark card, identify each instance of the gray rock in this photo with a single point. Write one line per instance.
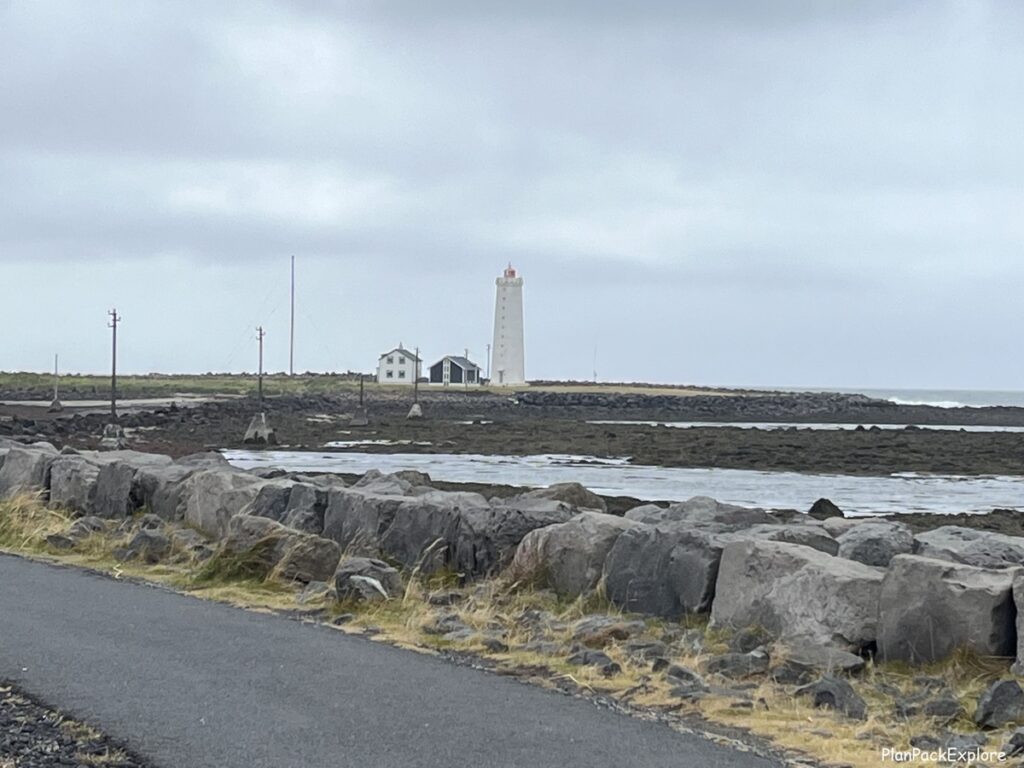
(1001, 704)
(569, 557)
(598, 659)
(113, 499)
(1014, 746)
(573, 494)
(738, 665)
(271, 500)
(187, 540)
(836, 694)
(930, 608)
(748, 639)
(876, 543)
(291, 554)
(646, 649)
(350, 584)
(809, 535)
(61, 542)
(86, 526)
(315, 590)
(159, 489)
(801, 663)
(797, 593)
(685, 677)
(73, 483)
(26, 469)
(837, 526)
(600, 630)
(150, 521)
(701, 510)
(824, 509)
(357, 519)
(210, 498)
(150, 546)
(306, 506)
(486, 538)
(985, 549)
(663, 571)
(377, 482)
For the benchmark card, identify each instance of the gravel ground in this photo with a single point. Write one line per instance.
(35, 736)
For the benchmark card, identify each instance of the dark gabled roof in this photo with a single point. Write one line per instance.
(402, 351)
(463, 362)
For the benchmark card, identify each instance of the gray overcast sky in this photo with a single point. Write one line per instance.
(802, 193)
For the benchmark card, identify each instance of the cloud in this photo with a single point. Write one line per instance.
(648, 167)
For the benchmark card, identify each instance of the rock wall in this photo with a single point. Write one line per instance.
(838, 584)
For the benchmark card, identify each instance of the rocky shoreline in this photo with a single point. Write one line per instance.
(484, 423)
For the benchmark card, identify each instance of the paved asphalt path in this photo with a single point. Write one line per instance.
(191, 684)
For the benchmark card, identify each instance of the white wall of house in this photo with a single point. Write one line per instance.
(399, 366)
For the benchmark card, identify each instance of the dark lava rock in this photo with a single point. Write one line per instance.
(823, 509)
(736, 665)
(599, 659)
(684, 677)
(748, 639)
(835, 693)
(1002, 703)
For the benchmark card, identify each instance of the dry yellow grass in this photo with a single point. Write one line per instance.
(777, 716)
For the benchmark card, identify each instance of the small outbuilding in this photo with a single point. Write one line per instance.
(455, 369)
(399, 366)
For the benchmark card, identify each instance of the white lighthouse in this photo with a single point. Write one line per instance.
(507, 368)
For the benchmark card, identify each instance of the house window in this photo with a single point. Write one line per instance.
(391, 360)
(401, 374)
(390, 374)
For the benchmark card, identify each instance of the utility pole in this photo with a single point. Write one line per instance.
(55, 406)
(291, 345)
(259, 430)
(114, 320)
(260, 333)
(416, 412)
(416, 378)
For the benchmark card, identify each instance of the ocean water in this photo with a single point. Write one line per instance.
(858, 496)
(943, 398)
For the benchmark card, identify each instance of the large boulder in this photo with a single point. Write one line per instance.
(701, 510)
(573, 494)
(985, 549)
(797, 593)
(26, 469)
(663, 571)
(569, 557)
(288, 553)
(930, 608)
(876, 542)
(73, 483)
(486, 538)
(210, 498)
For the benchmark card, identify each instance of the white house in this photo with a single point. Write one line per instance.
(453, 369)
(399, 366)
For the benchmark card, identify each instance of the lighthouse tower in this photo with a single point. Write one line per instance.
(507, 367)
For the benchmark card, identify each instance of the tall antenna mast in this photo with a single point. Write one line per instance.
(291, 345)
(114, 320)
